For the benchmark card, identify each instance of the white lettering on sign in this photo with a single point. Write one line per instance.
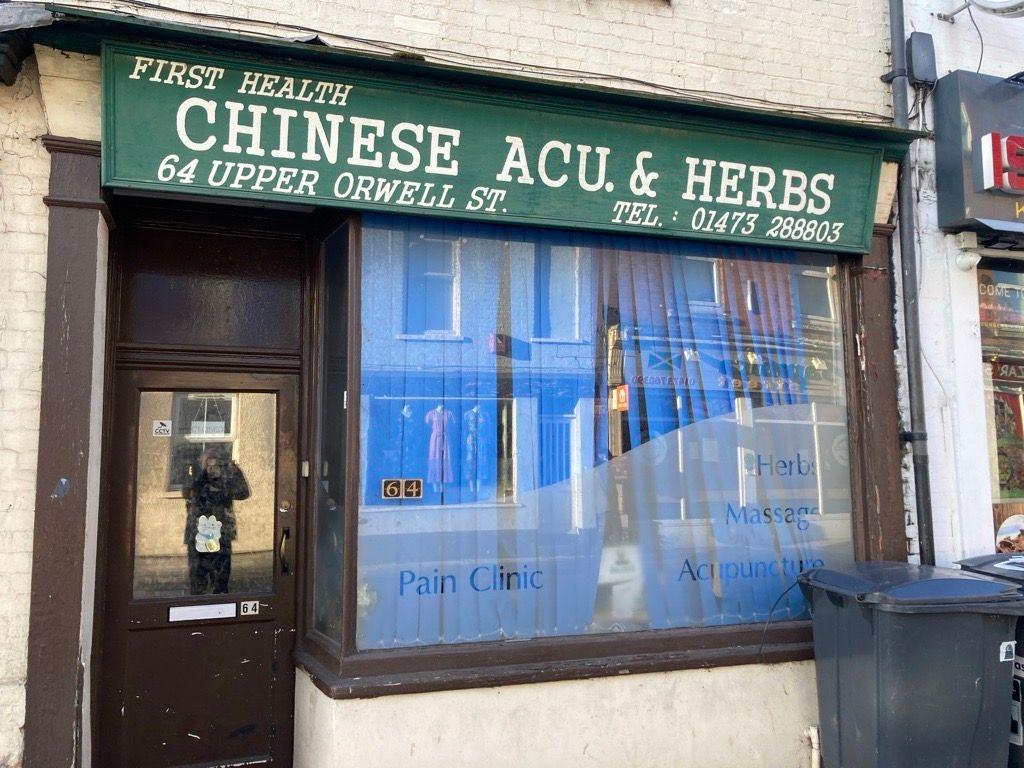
(799, 194)
(176, 73)
(162, 428)
(209, 108)
(1002, 163)
(516, 159)
(283, 87)
(247, 122)
(232, 129)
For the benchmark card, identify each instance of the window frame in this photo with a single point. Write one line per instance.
(231, 436)
(342, 671)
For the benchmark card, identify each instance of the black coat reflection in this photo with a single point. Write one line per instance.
(214, 484)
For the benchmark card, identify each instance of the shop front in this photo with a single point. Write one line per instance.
(419, 381)
(978, 161)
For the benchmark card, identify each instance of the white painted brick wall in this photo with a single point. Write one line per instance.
(814, 53)
(24, 176)
(950, 331)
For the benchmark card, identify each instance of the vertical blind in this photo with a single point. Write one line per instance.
(606, 433)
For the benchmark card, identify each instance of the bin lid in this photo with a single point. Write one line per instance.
(906, 584)
(1002, 566)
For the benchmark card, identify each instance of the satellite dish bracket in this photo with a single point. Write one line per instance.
(1005, 8)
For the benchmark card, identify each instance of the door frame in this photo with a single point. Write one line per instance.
(124, 609)
(308, 227)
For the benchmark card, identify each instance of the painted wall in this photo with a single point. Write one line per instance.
(951, 340)
(708, 718)
(24, 174)
(47, 98)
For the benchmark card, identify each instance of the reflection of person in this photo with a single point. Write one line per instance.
(214, 484)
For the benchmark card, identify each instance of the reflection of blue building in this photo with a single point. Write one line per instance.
(590, 407)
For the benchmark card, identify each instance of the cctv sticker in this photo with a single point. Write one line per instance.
(1007, 650)
(161, 428)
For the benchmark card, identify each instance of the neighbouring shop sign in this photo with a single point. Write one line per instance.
(979, 152)
(235, 127)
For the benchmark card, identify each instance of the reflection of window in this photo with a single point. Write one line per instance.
(556, 286)
(813, 293)
(201, 421)
(431, 286)
(753, 298)
(700, 276)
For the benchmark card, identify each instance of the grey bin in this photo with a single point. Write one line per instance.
(1008, 567)
(914, 665)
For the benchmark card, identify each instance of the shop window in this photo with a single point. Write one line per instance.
(627, 434)
(1001, 311)
(330, 464)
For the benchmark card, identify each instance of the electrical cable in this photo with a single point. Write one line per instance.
(981, 38)
(771, 613)
(457, 58)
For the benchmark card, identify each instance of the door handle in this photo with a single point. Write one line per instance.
(285, 535)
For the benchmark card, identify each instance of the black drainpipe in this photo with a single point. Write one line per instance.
(917, 436)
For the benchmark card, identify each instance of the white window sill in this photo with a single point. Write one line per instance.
(455, 337)
(553, 340)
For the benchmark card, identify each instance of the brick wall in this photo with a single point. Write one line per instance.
(24, 173)
(807, 52)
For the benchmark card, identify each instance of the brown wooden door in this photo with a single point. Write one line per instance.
(199, 613)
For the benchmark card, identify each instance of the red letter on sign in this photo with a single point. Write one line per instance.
(1013, 164)
(992, 160)
(1002, 163)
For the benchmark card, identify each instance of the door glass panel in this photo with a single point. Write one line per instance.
(205, 487)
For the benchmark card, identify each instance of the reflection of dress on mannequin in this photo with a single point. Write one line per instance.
(396, 441)
(439, 452)
(476, 454)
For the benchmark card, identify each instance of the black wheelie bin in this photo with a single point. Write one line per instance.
(1008, 567)
(914, 665)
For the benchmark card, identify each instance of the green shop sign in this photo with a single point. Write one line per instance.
(236, 127)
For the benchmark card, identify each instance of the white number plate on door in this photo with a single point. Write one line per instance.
(248, 607)
(199, 612)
